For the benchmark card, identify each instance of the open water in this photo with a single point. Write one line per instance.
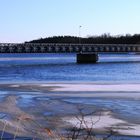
(63, 68)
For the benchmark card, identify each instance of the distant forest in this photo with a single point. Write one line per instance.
(103, 39)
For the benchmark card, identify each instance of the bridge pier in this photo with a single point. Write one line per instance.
(87, 58)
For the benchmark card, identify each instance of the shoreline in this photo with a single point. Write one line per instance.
(131, 91)
(51, 95)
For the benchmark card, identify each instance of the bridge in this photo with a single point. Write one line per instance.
(86, 53)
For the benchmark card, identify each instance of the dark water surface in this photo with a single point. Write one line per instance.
(63, 68)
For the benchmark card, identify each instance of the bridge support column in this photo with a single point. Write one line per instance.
(87, 58)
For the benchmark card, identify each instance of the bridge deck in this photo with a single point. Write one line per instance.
(67, 48)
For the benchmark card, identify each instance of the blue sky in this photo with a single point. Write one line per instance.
(23, 20)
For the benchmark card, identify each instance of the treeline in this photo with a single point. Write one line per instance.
(103, 39)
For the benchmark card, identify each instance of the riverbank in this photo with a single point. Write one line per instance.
(31, 108)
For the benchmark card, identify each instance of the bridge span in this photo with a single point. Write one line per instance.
(86, 53)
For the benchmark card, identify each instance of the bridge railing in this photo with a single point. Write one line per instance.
(67, 48)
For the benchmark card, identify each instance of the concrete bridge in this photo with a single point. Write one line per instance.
(86, 53)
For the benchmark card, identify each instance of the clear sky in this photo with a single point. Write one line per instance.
(24, 20)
